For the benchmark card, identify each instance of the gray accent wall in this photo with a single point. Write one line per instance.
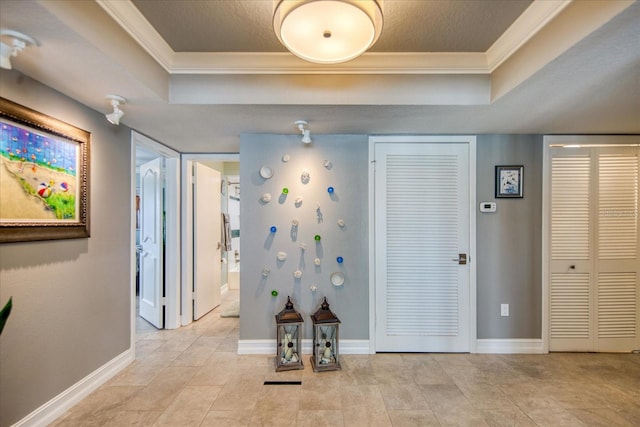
(259, 246)
(71, 298)
(509, 241)
(508, 252)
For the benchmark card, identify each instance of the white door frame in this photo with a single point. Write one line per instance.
(187, 227)
(567, 141)
(471, 140)
(172, 252)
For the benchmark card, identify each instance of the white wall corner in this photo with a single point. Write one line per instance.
(510, 346)
(61, 403)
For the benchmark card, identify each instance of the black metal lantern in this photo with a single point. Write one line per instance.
(325, 339)
(288, 338)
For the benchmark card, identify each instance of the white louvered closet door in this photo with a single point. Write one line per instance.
(595, 269)
(422, 225)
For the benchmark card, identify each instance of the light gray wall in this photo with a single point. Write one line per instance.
(71, 298)
(348, 176)
(509, 241)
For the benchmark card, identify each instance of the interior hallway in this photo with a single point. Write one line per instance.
(193, 377)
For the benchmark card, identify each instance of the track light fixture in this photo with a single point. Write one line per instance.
(306, 133)
(114, 118)
(12, 42)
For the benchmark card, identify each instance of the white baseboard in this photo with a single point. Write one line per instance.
(57, 406)
(510, 346)
(268, 347)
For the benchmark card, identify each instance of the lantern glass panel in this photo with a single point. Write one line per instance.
(326, 344)
(289, 351)
(288, 338)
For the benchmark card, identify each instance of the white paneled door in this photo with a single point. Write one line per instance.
(594, 292)
(151, 242)
(422, 247)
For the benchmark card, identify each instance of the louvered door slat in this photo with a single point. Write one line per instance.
(570, 306)
(570, 211)
(617, 308)
(422, 223)
(618, 204)
(618, 266)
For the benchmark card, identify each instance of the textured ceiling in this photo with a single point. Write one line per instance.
(409, 25)
(592, 85)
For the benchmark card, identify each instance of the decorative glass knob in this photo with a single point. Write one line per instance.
(317, 237)
(330, 190)
(265, 272)
(285, 190)
(339, 259)
(274, 293)
(273, 229)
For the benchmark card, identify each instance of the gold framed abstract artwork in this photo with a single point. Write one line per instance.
(44, 176)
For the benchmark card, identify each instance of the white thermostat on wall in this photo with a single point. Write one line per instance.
(487, 206)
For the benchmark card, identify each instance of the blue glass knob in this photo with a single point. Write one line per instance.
(330, 190)
(339, 259)
(273, 229)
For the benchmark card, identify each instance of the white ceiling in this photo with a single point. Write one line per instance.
(578, 71)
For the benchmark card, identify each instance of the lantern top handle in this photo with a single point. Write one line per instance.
(289, 314)
(324, 314)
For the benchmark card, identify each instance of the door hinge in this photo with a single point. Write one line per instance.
(163, 301)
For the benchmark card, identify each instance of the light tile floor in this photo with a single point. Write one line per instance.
(193, 377)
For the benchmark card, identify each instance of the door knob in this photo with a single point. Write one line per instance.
(462, 259)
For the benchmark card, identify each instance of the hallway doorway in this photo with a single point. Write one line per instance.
(223, 250)
(162, 292)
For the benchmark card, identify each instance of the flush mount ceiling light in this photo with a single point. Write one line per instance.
(114, 118)
(306, 133)
(12, 42)
(327, 31)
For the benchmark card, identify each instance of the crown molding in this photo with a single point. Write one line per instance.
(369, 63)
(534, 18)
(136, 25)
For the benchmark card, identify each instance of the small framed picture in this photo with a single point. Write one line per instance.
(509, 180)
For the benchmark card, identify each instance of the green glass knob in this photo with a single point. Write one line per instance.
(274, 293)
(285, 190)
(317, 237)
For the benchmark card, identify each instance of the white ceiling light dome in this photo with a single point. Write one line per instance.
(328, 31)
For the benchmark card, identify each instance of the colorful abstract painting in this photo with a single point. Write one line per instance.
(38, 175)
(44, 176)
